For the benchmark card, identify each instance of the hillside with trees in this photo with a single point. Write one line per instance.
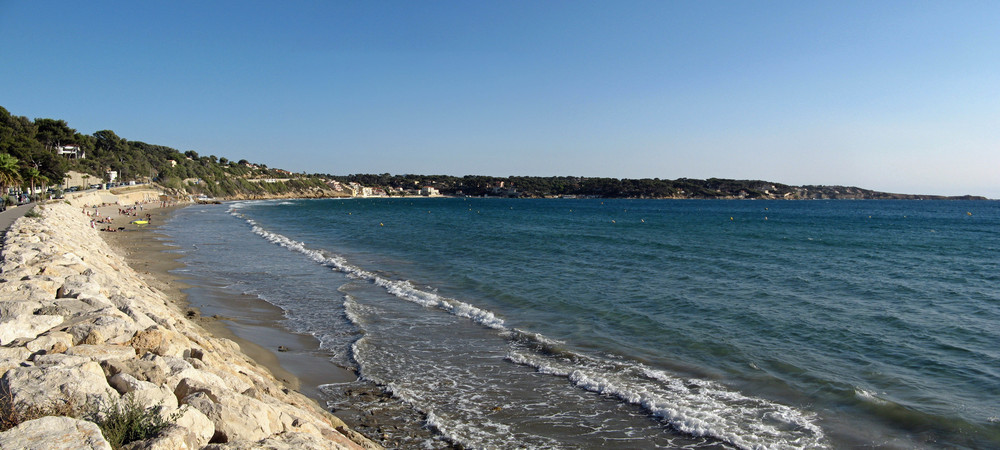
(38, 154)
(682, 188)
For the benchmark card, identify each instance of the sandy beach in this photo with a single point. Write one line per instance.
(82, 326)
(253, 323)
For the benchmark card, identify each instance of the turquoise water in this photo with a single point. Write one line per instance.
(639, 323)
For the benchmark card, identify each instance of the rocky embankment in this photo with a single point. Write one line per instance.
(80, 328)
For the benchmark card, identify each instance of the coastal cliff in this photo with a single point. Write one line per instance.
(79, 327)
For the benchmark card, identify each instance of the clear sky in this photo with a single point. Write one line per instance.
(898, 96)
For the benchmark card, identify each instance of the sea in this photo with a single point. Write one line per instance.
(613, 323)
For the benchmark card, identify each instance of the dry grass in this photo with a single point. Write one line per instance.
(121, 421)
(12, 414)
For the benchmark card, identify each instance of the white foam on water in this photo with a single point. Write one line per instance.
(691, 406)
(403, 289)
(868, 396)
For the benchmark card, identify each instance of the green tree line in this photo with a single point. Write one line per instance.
(29, 158)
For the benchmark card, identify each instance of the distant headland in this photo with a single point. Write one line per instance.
(43, 158)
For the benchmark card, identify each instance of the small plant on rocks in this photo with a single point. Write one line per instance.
(126, 421)
(12, 415)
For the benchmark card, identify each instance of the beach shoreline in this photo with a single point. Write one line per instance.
(76, 309)
(251, 322)
(256, 325)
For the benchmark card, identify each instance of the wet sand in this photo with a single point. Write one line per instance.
(254, 324)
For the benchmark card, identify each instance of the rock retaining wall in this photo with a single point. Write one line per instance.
(78, 325)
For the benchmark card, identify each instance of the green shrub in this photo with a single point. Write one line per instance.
(127, 421)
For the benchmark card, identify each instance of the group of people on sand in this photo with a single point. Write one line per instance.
(130, 211)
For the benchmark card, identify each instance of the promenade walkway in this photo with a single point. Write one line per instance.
(8, 217)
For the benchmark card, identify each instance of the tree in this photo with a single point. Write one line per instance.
(32, 175)
(53, 132)
(108, 141)
(8, 173)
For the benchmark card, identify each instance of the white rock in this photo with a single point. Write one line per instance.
(286, 441)
(103, 352)
(26, 326)
(59, 359)
(41, 386)
(125, 383)
(68, 307)
(76, 285)
(192, 430)
(109, 322)
(15, 308)
(54, 433)
(15, 353)
(202, 377)
(50, 340)
(11, 357)
(237, 417)
(189, 386)
(147, 394)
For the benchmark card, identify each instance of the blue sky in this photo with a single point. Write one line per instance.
(893, 96)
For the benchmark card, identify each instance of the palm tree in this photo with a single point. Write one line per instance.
(43, 182)
(8, 174)
(31, 175)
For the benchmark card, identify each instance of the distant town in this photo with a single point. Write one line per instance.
(44, 158)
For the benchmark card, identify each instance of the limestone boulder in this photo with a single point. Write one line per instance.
(51, 342)
(201, 376)
(237, 417)
(140, 369)
(96, 300)
(77, 384)
(24, 257)
(109, 323)
(68, 307)
(26, 326)
(58, 359)
(192, 430)
(54, 433)
(57, 270)
(160, 341)
(127, 305)
(284, 441)
(11, 357)
(147, 394)
(76, 285)
(103, 352)
(10, 308)
(189, 386)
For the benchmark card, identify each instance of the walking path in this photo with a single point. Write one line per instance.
(8, 217)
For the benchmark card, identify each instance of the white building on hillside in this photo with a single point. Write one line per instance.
(71, 151)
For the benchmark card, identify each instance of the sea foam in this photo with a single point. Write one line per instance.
(690, 406)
